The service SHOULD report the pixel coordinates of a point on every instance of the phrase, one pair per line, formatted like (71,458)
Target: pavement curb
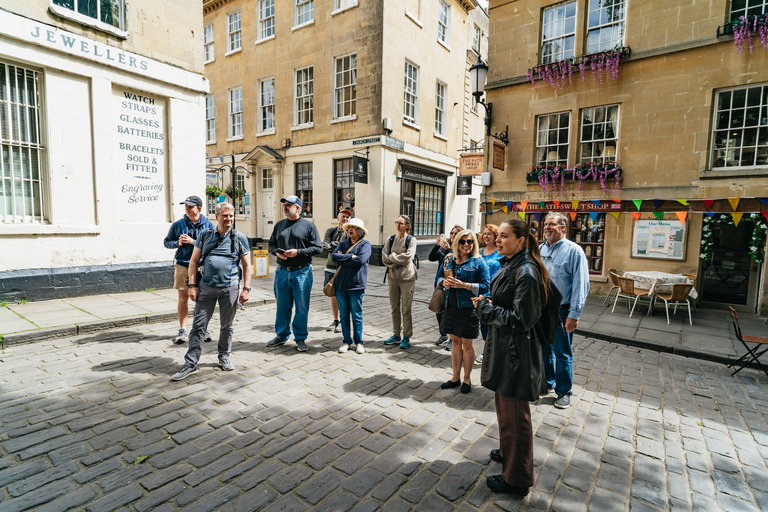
(66,331)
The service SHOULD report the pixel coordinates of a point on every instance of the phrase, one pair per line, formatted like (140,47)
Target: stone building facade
(100,119)
(684,120)
(303,95)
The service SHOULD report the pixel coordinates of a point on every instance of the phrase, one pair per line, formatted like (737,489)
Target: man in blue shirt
(221,249)
(569,271)
(181,237)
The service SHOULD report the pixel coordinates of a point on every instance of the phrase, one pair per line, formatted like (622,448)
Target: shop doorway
(731,277)
(266,202)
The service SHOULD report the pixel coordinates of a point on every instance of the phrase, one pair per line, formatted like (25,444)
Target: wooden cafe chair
(614,273)
(628,291)
(677,297)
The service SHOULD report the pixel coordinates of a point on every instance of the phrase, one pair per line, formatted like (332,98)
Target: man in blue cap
(294,241)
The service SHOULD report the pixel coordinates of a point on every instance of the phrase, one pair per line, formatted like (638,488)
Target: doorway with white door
(266,202)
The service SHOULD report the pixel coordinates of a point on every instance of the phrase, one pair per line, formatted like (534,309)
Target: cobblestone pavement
(94,423)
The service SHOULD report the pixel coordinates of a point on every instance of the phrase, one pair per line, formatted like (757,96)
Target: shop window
(210,119)
(22,180)
(267,106)
(589,233)
(424,204)
(233,32)
(304,97)
(599,133)
(605,24)
(558,33)
(740,127)
(411,94)
(266,18)
(109,12)
(343,185)
(304,187)
(235,112)
(536,224)
(552,134)
(748,8)
(345,86)
(305,11)
(208,44)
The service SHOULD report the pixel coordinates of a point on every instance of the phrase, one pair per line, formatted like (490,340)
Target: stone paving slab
(94,423)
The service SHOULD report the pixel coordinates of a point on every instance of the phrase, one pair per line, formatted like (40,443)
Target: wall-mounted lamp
(478,73)
(287,144)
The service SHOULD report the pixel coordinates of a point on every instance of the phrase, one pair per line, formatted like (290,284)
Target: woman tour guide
(351,257)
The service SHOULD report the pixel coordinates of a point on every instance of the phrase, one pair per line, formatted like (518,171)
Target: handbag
(437,302)
(329,290)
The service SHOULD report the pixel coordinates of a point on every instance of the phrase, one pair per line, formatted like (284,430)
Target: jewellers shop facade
(93,139)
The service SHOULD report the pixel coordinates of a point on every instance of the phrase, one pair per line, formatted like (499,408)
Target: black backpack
(407,243)
(549,321)
(233,239)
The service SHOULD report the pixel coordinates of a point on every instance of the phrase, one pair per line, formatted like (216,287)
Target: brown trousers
(401,293)
(516,440)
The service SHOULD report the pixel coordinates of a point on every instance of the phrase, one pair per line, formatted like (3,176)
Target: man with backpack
(221,250)
(399,256)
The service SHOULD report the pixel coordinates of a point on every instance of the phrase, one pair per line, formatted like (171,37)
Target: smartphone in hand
(279,251)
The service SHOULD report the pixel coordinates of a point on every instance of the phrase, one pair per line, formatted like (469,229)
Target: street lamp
(478,73)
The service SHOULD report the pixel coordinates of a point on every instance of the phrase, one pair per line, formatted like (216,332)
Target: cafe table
(655,281)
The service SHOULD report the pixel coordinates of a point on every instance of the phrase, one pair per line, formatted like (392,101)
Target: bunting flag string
(575,205)
(493,202)
(638,203)
(537,216)
(658,215)
(734,203)
(597,203)
(765,214)
(736,217)
(505,209)
(615,214)
(573,215)
(681,216)
(709,214)
(557,203)
(522,215)
(511,206)
(593,215)
(542,204)
(524,204)
(763,200)
(636,215)
(657,203)
(708,203)
(683,202)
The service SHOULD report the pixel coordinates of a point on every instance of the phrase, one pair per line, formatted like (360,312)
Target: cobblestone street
(95,423)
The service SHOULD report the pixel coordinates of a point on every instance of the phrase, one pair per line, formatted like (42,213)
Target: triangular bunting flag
(573,215)
(481,207)
(683,202)
(657,203)
(511,207)
(709,214)
(575,205)
(737,217)
(504,209)
(638,203)
(537,216)
(616,214)
(593,215)
(681,216)
(542,204)
(596,203)
(658,215)
(765,214)
(524,204)
(734,203)
(708,203)
(763,200)
(493,202)
(616,200)
(522,215)
(636,215)
(557,203)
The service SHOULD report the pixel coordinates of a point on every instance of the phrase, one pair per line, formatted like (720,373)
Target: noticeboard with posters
(659,240)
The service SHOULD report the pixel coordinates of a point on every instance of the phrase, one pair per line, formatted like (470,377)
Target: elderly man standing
(569,271)
(333,236)
(181,237)
(221,249)
(294,241)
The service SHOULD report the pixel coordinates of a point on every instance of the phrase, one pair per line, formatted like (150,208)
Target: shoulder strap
(206,236)
(407,241)
(391,242)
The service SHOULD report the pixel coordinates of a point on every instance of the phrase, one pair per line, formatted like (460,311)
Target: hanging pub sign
(499,155)
(464,185)
(360,169)
(471,164)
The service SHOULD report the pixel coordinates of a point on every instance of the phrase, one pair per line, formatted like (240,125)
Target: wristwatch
(246,289)
(192,285)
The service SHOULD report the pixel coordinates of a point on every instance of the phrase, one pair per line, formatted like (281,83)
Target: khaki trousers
(401,293)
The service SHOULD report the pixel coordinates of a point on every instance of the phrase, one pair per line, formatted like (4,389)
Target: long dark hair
(523,230)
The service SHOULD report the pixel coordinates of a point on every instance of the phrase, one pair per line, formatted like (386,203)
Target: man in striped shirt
(569,271)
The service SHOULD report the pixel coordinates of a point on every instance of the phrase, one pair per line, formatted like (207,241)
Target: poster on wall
(139,154)
(659,239)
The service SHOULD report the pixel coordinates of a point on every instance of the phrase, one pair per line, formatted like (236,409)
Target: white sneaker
(343,348)
(360,349)
(182,337)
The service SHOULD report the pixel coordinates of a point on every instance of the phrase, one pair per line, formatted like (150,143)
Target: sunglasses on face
(468,242)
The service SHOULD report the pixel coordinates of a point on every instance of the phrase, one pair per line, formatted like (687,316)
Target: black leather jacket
(512,364)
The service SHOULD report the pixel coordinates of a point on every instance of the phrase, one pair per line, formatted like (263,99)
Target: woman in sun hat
(352,257)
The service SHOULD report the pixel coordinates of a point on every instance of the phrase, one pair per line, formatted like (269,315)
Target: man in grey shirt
(221,249)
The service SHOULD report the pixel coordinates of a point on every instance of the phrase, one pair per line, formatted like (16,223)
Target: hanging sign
(471,164)
(360,169)
(464,185)
(499,155)
(583,206)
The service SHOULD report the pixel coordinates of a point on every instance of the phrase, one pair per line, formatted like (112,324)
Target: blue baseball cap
(294,200)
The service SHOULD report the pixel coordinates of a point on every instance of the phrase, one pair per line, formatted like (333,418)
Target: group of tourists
(524,298)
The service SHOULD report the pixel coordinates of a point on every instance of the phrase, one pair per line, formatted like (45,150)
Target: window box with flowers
(607,173)
(237,194)
(603,64)
(213,191)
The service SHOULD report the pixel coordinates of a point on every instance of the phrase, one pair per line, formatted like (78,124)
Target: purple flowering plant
(605,63)
(555,175)
(743,28)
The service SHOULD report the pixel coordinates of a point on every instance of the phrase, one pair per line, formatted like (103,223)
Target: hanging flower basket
(237,194)
(743,28)
(212,191)
(603,64)
(556,176)
(756,246)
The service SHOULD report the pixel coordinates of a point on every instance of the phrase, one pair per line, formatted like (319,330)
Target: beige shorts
(180,277)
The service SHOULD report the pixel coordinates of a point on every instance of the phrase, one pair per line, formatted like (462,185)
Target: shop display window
(589,233)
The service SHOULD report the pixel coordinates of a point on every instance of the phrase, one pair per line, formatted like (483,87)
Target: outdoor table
(655,281)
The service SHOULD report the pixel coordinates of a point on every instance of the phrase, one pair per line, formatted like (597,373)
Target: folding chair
(627,291)
(692,279)
(678,297)
(752,355)
(614,273)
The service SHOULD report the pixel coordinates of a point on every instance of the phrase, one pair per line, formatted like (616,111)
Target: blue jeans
(559,376)
(291,288)
(351,302)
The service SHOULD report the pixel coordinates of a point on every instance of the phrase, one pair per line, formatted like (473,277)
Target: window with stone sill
(444,22)
(605,24)
(558,32)
(748,8)
(599,133)
(740,128)
(552,135)
(304,96)
(234,26)
(411,94)
(440,108)
(476,35)
(210,119)
(305,11)
(236,112)
(345,86)
(343,4)
(110,12)
(208,49)
(22,177)
(266,105)
(266,18)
